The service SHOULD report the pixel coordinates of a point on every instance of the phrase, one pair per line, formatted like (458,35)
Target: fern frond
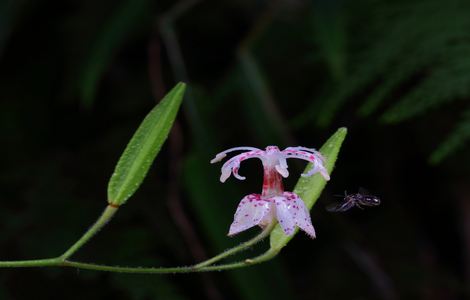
(416,58)
(457,139)
(401,51)
(448,82)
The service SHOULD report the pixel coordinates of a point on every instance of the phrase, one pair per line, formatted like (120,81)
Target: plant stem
(58,262)
(270,254)
(266,231)
(62,261)
(46,262)
(130,270)
(139,270)
(107,214)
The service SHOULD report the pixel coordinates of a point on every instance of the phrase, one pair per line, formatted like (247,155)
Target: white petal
(251,211)
(317,168)
(236,175)
(225,174)
(325,174)
(233,165)
(218,157)
(291,212)
(283,215)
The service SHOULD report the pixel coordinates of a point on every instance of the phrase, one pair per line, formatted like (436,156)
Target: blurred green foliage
(77,77)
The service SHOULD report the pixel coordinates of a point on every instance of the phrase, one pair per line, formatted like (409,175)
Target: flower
(273,203)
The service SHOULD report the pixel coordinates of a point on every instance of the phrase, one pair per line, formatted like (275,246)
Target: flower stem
(266,231)
(46,262)
(130,270)
(191,269)
(58,262)
(62,261)
(107,214)
(270,254)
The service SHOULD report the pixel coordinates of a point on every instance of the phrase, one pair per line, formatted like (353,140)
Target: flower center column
(272,183)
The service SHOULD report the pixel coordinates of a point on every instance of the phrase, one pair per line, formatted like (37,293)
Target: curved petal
(312,156)
(233,165)
(223,154)
(291,212)
(251,211)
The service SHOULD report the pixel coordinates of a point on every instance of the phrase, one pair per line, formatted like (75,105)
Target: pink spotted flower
(273,203)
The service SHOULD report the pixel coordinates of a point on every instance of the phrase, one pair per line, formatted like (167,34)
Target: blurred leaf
(425,95)
(310,188)
(459,136)
(144,146)
(9,11)
(124,20)
(258,102)
(408,59)
(330,35)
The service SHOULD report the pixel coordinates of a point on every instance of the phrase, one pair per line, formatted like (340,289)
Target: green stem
(130,270)
(266,231)
(47,262)
(62,261)
(268,255)
(191,269)
(58,262)
(107,214)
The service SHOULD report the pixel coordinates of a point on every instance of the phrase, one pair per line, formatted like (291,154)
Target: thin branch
(266,231)
(100,223)
(201,267)
(45,262)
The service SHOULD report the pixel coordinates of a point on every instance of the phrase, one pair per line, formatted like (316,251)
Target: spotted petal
(291,212)
(251,211)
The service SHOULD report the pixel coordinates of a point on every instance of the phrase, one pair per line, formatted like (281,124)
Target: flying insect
(359,199)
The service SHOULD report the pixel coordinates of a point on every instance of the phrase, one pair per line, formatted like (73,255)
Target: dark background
(77,77)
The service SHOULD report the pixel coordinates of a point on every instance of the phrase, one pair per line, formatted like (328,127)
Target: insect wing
(339,207)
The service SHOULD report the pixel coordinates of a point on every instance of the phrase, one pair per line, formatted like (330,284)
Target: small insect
(362,198)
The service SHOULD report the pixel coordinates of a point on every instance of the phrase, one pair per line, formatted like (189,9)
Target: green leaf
(144,146)
(310,188)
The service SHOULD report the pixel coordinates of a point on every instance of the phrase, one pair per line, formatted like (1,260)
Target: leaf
(258,101)
(456,139)
(310,188)
(330,35)
(10,12)
(124,21)
(144,146)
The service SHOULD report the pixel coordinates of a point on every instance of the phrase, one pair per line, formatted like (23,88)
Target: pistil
(272,183)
